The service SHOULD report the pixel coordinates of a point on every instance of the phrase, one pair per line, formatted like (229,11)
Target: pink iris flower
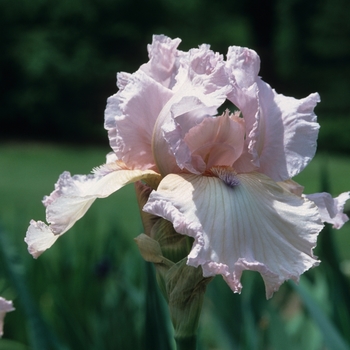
(223,178)
(5,306)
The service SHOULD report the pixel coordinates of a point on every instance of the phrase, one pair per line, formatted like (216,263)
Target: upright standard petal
(71,199)
(163,60)
(240,222)
(130,117)
(202,87)
(286,133)
(5,306)
(331,209)
(281,131)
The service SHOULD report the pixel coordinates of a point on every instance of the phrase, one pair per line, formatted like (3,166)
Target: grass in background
(96,269)
(94,291)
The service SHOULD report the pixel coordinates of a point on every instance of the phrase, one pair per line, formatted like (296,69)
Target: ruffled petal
(240,222)
(207,72)
(169,147)
(130,116)
(5,306)
(71,199)
(39,237)
(163,63)
(287,133)
(331,209)
(202,87)
(243,66)
(123,79)
(281,131)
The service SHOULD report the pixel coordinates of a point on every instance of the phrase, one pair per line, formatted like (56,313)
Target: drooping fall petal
(5,306)
(71,199)
(240,222)
(331,209)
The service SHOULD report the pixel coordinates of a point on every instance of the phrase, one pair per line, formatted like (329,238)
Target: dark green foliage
(59,58)
(157,330)
(39,333)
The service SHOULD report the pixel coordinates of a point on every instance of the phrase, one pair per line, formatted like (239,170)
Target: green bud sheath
(183,286)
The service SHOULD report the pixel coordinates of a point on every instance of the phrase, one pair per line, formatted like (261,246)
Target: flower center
(226,174)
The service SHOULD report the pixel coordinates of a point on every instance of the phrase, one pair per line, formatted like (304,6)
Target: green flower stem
(188,343)
(182,286)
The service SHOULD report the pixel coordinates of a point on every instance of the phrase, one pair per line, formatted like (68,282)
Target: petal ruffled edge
(73,196)
(286,133)
(248,224)
(331,209)
(130,116)
(202,87)
(281,131)
(163,60)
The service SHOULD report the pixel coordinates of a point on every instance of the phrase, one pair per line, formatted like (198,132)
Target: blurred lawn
(94,274)
(92,286)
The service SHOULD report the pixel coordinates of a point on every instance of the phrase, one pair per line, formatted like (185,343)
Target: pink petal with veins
(240,222)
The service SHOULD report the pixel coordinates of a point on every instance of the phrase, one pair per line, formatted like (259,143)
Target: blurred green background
(59,58)
(92,290)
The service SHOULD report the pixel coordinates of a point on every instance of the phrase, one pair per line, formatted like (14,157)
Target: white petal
(331,209)
(71,199)
(247,222)
(39,237)
(5,306)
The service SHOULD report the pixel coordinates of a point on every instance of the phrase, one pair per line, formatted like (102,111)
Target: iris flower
(5,306)
(222,177)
